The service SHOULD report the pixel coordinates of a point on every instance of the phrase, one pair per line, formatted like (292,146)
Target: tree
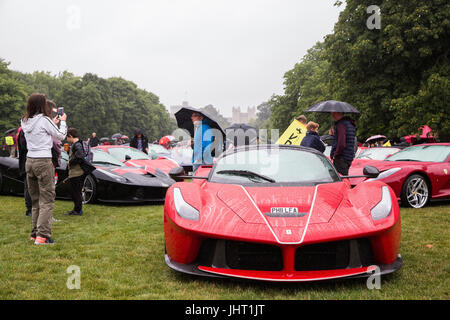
(13,99)
(388,73)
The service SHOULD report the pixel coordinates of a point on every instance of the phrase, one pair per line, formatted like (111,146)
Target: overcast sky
(221,52)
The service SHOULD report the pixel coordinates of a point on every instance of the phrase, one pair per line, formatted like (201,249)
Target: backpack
(88,155)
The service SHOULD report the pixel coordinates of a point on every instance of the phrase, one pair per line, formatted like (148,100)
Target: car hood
(163,164)
(286,211)
(134,176)
(286,206)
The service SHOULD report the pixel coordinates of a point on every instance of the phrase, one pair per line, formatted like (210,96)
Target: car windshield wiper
(403,160)
(246,173)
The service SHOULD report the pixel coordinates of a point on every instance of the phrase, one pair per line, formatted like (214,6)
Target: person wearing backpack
(79,168)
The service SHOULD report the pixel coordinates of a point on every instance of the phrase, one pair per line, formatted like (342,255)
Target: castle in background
(242,117)
(173,109)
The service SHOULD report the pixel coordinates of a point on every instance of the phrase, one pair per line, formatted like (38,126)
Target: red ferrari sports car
(416,174)
(280,213)
(134,158)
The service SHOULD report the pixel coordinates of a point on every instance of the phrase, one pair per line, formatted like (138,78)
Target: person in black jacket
(22,147)
(344,142)
(139,141)
(312,138)
(78,169)
(94,141)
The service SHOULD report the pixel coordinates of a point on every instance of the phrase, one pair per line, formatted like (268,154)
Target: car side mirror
(176,173)
(127,157)
(371,172)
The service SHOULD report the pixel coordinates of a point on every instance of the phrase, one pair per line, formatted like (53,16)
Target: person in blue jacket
(203,138)
(312,138)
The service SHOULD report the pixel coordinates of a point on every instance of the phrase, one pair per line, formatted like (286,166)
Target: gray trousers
(41,187)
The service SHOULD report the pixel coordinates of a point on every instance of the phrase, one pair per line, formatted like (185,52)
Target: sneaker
(74,213)
(42,240)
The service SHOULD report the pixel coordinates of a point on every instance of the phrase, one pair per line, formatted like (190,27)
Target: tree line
(92,103)
(397,76)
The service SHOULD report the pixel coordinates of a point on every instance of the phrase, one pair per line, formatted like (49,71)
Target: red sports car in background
(134,158)
(279,213)
(416,174)
(376,153)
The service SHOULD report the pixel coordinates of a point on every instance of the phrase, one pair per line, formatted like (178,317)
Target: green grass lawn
(120,252)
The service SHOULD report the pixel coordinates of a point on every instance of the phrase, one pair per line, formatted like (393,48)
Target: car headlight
(184,209)
(384,207)
(385,174)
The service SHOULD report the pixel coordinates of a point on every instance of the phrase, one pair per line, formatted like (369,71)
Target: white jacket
(39,131)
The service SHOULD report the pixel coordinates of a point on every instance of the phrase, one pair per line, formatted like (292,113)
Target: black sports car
(112,181)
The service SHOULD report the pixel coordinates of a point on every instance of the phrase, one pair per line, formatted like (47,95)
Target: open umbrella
(183,117)
(124,137)
(375,138)
(10,131)
(116,136)
(241,132)
(104,139)
(332,106)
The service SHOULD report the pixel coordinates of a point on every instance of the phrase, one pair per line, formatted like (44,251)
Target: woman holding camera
(39,128)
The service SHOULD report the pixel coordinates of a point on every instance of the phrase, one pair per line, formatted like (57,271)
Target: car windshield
(426,153)
(102,158)
(158,150)
(273,164)
(376,153)
(120,153)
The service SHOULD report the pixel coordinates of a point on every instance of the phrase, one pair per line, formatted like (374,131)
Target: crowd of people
(38,142)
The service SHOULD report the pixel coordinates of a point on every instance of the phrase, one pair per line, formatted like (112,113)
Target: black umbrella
(247,133)
(184,121)
(332,106)
(10,131)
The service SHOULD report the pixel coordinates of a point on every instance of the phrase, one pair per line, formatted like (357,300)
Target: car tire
(89,190)
(416,191)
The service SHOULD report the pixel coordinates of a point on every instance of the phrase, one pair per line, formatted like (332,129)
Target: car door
(61,177)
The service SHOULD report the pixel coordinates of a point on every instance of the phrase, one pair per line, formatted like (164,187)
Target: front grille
(253,256)
(240,255)
(334,255)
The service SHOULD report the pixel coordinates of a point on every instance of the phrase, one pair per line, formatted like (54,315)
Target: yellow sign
(294,134)
(9,141)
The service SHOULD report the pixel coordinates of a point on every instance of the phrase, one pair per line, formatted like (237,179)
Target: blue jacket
(312,140)
(203,138)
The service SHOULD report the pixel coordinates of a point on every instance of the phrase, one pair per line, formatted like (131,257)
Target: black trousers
(76,187)
(342,165)
(26,195)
